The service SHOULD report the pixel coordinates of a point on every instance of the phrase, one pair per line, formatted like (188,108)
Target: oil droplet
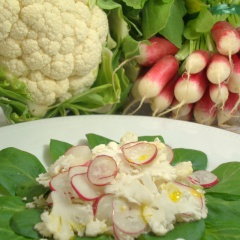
(174,193)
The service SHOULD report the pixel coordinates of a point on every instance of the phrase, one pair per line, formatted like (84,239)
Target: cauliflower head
(53,46)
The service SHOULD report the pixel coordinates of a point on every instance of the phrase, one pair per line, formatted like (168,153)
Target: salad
(48,196)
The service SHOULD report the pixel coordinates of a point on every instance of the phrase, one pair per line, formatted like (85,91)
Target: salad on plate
(135,188)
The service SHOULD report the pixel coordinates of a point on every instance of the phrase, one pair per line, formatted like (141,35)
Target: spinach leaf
(95,139)
(9,205)
(219,230)
(222,210)
(187,231)
(58,148)
(23,222)
(199,159)
(228,186)
(18,167)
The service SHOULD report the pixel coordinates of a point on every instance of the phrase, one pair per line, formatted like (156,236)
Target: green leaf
(23,222)
(18,167)
(222,210)
(198,158)
(102,237)
(165,17)
(173,30)
(219,230)
(130,47)
(9,205)
(136,4)
(95,140)
(58,148)
(187,231)
(229,178)
(150,138)
(30,189)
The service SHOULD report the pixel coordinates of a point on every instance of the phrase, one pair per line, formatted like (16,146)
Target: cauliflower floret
(65,219)
(183,169)
(95,227)
(61,41)
(128,137)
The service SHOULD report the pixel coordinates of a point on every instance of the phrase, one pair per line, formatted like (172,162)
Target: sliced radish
(140,153)
(102,170)
(103,207)
(81,152)
(193,179)
(120,235)
(129,144)
(79,169)
(169,153)
(85,189)
(128,217)
(206,179)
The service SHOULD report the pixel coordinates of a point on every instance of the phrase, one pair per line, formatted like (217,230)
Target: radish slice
(193,179)
(61,183)
(102,208)
(102,170)
(81,152)
(130,144)
(169,153)
(128,217)
(206,179)
(120,235)
(79,169)
(140,153)
(84,189)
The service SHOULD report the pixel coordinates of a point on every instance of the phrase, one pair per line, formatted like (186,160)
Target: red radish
(189,89)
(184,110)
(197,61)
(102,170)
(61,183)
(234,80)
(79,169)
(85,189)
(206,179)
(157,77)
(81,152)
(205,110)
(103,207)
(164,99)
(226,38)
(140,153)
(229,110)
(219,93)
(158,47)
(218,69)
(127,217)
(188,117)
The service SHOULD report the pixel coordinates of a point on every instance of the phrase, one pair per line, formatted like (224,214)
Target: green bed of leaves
(19,169)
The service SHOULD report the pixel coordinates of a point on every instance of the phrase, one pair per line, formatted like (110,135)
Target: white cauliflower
(53,46)
(65,218)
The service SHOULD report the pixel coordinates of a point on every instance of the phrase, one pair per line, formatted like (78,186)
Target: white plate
(34,137)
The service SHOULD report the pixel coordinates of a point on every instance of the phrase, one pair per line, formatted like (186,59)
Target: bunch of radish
(85,183)
(205,87)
